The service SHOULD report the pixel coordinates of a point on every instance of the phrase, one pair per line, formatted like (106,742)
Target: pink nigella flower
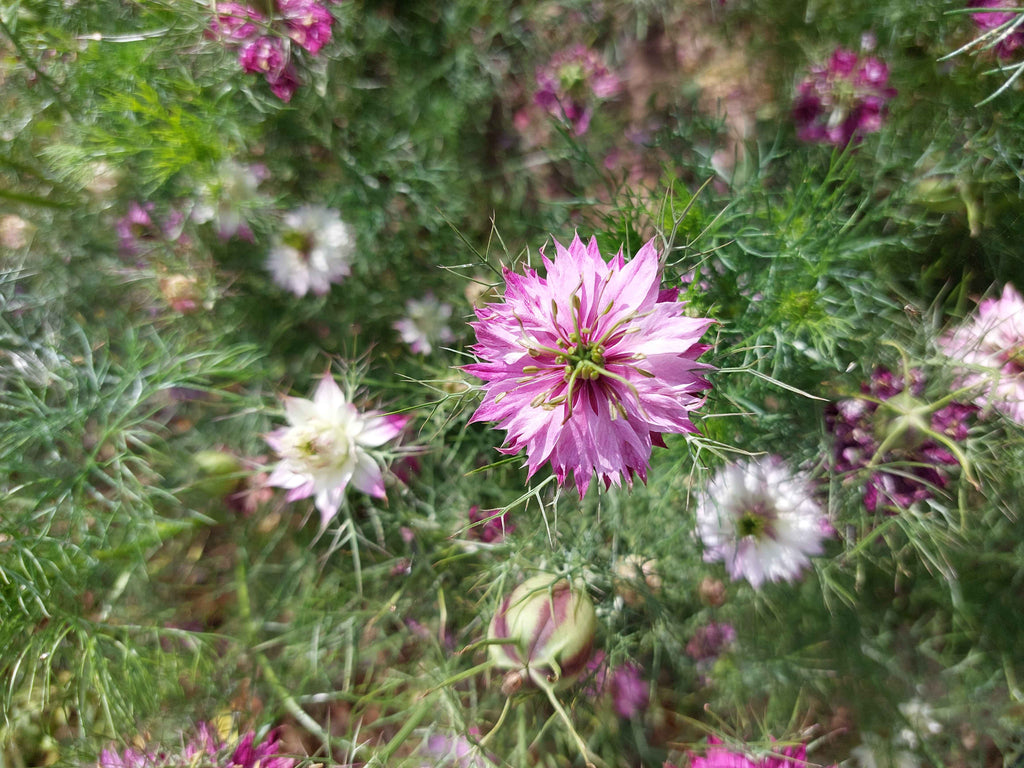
(235,23)
(488,525)
(206,749)
(569,84)
(624,684)
(329,444)
(911,442)
(590,365)
(992,343)
(719,757)
(844,99)
(139,229)
(308,22)
(266,55)
(994,14)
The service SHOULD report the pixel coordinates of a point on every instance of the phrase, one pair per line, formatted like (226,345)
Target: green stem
(541,682)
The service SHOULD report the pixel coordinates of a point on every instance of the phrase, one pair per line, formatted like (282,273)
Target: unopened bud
(549,625)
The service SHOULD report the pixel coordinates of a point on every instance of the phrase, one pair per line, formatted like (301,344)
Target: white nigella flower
(761,519)
(314,250)
(327,446)
(425,324)
(227,198)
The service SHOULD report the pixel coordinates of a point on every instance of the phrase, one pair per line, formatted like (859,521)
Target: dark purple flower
(309,23)
(487,525)
(710,640)
(907,441)
(842,100)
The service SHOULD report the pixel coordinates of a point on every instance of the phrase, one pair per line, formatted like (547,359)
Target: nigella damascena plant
(543,633)
(329,444)
(762,520)
(589,366)
(312,250)
(425,324)
(571,82)
(206,748)
(906,443)
(989,350)
(843,99)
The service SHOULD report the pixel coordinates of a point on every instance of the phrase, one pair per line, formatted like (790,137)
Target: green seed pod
(549,624)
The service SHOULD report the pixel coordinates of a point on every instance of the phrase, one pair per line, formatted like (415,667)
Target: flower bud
(550,626)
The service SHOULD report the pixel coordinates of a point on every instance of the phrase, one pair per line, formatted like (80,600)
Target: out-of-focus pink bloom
(313,251)
(623,684)
(888,426)
(588,367)
(308,22)
(994,14)
(842,100)
(487,525)
(453,751)
(207,749)
(710,640)
(571,82)
(266,55)
(140,229)
(992,345)
(718,757)
(235,23)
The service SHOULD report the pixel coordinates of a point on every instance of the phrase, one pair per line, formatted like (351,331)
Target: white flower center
(319,445)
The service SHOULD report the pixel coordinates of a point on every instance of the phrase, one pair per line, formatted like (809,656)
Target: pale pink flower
(589,366)
(425,324)
(329,444)
(571,83)
(992,345)
(762,520)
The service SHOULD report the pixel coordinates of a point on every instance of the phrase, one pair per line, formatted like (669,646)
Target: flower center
(755,521)
(300,241)
(318,445)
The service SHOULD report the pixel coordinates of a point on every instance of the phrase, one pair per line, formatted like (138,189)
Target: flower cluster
(570,83)
(843,99)
(206,749)
(314,249)
(305,22)
(327,446)
(993,15)
(992,344)
(590,365)
(906,441)
(762,520)
(425,324)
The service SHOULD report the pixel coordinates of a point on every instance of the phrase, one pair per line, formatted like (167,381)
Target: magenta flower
(140,229)
(590,365)
(719,757)
(623,684)
(206,749)
(571,82)
(308,22)
(842,100)
(994,14)
(266,55)
(235,23)
(908,442)
(992,344)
